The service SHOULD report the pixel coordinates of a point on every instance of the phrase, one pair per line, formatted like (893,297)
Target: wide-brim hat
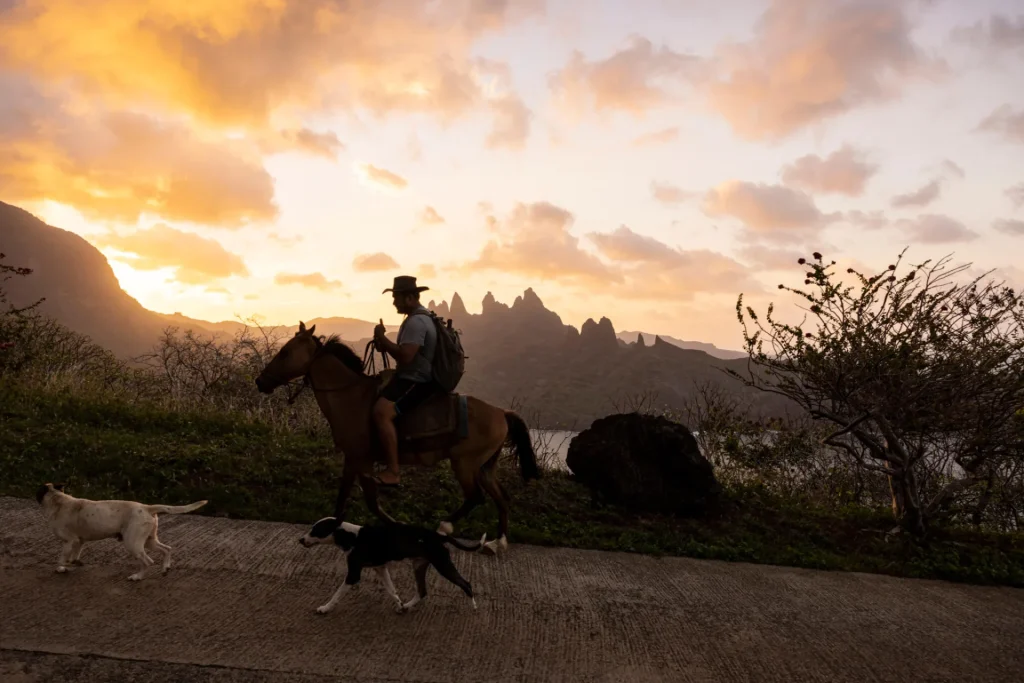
(405,283)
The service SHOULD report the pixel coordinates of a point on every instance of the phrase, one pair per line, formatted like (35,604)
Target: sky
(647,160)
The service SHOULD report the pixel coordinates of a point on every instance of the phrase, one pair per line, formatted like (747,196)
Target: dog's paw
(62,570)
(323,609)
(135,577)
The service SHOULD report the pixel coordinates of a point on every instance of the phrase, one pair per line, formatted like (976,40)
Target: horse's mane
(340,350)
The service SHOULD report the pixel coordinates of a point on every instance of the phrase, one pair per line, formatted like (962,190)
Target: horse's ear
(312,329)
(302,326)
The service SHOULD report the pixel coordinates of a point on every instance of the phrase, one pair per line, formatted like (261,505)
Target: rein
(307,379)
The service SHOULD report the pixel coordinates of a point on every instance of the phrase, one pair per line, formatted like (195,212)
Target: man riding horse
(413,380)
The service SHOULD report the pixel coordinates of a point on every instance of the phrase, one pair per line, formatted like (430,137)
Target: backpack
(449,363)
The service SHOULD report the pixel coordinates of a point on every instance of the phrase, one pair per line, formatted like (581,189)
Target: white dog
(78,520)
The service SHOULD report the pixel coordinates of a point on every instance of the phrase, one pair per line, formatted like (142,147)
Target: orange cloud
(244,62)
(635,79)
(937,229)
(844,171)
(654,270)
(383,177)
(659,137)
(311,280)
(1005,121)
(1010,227)
(371,263)
(669,194)
(427,270)
(285,240)
(770,211)
(1016,195)
(430,216)
(326,145)
(920,197)
(534,241)
(810,61)
(195,259)
(120,165)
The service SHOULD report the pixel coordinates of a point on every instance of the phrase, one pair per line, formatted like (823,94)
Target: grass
(105,448)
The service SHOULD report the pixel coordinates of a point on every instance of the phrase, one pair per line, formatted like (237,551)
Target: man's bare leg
(384,417)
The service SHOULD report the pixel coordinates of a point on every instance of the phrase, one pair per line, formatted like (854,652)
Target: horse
(346,394)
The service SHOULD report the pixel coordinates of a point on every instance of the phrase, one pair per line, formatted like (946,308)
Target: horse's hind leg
(472,496)
(493,487)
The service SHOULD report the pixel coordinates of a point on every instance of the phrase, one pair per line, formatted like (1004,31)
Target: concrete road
(239,606)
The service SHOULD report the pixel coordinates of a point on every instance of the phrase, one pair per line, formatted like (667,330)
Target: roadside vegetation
(185,423)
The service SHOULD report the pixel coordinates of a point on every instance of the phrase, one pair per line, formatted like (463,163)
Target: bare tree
(922,378)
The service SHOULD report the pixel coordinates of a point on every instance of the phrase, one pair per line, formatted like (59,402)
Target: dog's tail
(469,547)
(175,509)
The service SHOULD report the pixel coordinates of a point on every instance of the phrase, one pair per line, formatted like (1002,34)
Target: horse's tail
(522,448)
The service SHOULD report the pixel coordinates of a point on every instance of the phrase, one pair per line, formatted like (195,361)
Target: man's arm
(415,337)
(402,354)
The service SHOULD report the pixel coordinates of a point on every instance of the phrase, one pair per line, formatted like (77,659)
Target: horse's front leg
(348,477)
(369,487)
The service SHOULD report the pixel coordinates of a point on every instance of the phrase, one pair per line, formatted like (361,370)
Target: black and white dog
(379,546)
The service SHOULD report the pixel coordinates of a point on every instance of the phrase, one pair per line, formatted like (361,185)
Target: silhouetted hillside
(628,337)
(521,351)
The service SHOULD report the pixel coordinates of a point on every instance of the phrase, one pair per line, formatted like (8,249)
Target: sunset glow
(645,161)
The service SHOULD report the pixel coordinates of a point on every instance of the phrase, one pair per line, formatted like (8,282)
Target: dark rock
(640,339)
(458,308)
(645,463)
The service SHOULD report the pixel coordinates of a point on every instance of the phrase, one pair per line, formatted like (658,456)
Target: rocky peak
(640,339)
(458,308)
(599,334)
(490,305)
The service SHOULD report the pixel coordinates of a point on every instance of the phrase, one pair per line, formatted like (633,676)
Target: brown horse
(346,396)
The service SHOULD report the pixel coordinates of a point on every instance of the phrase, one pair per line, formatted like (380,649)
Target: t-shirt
(418,329)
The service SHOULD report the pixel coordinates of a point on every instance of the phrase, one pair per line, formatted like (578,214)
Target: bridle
(307,379)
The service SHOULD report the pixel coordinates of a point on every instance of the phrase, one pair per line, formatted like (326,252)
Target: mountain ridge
(520,352)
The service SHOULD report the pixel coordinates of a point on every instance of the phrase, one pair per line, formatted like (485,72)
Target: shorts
(406,394)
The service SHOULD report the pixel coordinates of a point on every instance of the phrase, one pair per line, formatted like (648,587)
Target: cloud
(811,61)
(511,125)
(868,220)
(326,144)
(245,62)
(773,212)
(121,165)
(1005,121)
(1016,195)
(383,176)
(371,263)
(658,137)
(770,258)
(430,216)
(655,270)
(633,80)
(1010,227)
(427,270)
(1001,33)
(534,241)
(952,168)
(311,280)
(920,197)
(195,259)
(285,240)
(937,229)
(844,171)
(670,194)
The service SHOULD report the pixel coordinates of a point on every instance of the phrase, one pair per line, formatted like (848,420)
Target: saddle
(437,423)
